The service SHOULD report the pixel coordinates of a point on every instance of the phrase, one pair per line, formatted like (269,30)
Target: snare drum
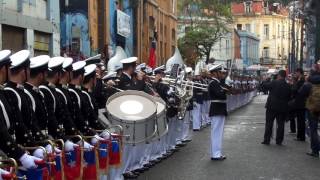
(161,123)
(135,111)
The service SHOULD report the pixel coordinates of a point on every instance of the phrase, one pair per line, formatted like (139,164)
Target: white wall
(11,5)
(38,8)
(220,51)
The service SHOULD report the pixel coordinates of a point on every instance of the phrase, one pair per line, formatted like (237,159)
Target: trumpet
(174,82)
(13,165)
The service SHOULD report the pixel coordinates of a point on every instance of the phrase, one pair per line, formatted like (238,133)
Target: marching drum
(136,112)
(161,122)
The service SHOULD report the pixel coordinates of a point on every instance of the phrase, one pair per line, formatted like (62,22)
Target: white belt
(218,101)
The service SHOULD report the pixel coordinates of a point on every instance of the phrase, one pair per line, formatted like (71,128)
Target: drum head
(131,106)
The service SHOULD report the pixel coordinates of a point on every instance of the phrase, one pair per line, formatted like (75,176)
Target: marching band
(51,109)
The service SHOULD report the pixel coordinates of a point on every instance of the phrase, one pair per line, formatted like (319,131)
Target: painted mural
(75,40)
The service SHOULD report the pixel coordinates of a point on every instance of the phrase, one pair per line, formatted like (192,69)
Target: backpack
(313,101)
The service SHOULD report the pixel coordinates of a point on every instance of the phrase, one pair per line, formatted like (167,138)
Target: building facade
(249,47)
(156,20)
(30,24)
(272,25)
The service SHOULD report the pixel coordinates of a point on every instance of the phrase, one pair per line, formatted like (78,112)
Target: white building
(30,24)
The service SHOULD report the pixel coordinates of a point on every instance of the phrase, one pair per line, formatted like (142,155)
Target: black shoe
(137,173)
(187,140)
(279,143)
(196,130)
(148,166)
(313,154)
(265,143)
(181,145)
(221,158)
(292,132)
(129,175)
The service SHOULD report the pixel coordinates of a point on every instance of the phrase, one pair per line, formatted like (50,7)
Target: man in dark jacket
(298,106)
(277,107)
(313,117)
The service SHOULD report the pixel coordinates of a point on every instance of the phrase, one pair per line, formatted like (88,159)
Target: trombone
(173,82)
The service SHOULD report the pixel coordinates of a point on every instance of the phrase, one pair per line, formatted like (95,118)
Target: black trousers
(280,117)
(292,120)
(301,124)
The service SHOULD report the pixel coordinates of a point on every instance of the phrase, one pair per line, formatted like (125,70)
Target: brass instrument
(13,165)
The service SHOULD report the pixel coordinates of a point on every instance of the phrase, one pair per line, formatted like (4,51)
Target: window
(239,27)
(282,31)
(265,52)
(266,31)
(227,46)
(248,27)
(279,31)
(248,7)
(173,35)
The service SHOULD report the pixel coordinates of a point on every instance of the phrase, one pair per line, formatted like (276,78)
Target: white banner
(123,24)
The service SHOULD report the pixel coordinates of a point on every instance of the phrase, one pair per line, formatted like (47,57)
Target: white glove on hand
(27,161)
(105,135)
(49,149)
(69,146)
(39,153)
(87,146)
(96,139)
(57,150)
(3,173)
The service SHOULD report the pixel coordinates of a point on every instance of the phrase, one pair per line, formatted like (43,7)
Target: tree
(206,21)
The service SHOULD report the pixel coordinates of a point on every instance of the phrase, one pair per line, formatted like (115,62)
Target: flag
(152,56)
(90,169)
(72,164)
(115,153)
(40,173)
(104,156)
(56,170)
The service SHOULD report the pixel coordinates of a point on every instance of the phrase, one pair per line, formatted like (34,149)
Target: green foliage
(207,25)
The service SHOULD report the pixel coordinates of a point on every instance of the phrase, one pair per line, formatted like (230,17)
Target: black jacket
(65,119)
(217,94)
(297,103)
(8,145)
(280,94)
(198,94)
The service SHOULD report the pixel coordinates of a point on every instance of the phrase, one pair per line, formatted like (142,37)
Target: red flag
(90,169)
(115,153)
(104,156)
(152,57)
(72,164)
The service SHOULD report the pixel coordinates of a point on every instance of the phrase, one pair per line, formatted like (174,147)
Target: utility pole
(302,35)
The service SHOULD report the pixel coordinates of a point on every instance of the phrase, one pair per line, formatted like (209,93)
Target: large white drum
(136,112)
(161,122)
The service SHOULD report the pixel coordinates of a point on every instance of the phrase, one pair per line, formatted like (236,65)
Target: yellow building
(159,15)
(272,25)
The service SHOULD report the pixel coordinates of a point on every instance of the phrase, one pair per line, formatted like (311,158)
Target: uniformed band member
(198,101)
(8,143)
(218,111)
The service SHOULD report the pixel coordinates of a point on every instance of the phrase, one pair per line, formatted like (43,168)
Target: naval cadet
(198,101)
(8,142)
(218,111)
(27,131)
(125,80)
(90,108)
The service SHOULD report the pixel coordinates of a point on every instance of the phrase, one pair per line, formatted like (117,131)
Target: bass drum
(161,121)
(135,111)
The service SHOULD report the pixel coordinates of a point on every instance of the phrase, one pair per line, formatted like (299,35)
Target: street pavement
(247,159)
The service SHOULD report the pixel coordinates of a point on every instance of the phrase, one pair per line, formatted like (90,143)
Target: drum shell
(134,131)
(161,121)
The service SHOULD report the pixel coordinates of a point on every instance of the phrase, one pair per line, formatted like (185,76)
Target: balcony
(272,61)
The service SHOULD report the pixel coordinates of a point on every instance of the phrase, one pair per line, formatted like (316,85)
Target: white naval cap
(55,63)
(67,63)
(215,67)
(4,57)
(110,75)
(129,60)
(93,60)
(39,61)
(90,69)
(20,59)
(77,66)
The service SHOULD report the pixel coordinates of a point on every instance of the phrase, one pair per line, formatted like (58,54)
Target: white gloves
(69,146)
(39,153)
(3,173)
(96,139)
(170,91)
(57,150)
(28,161)
(87,146)
(49,149)
(105,135)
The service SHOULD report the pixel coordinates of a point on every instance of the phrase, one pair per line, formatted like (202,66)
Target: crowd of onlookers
(295,99)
